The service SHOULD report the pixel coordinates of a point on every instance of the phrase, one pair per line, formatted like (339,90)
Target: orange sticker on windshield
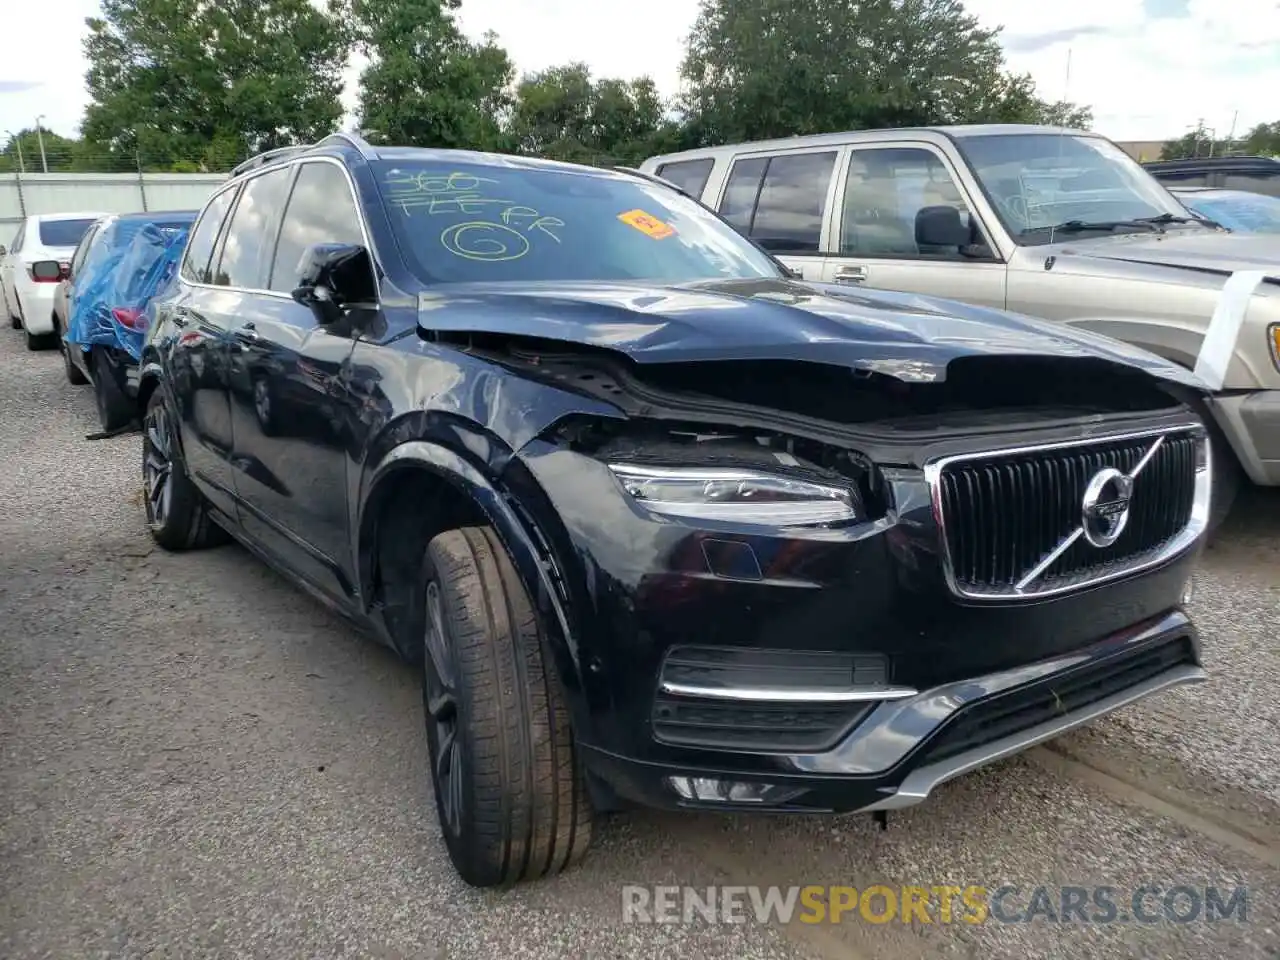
(647,224)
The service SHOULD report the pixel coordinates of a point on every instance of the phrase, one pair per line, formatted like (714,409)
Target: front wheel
(510,795)
(177,514)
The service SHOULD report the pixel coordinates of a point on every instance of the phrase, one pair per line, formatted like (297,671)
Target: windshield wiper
(1081,226)
(1175,218)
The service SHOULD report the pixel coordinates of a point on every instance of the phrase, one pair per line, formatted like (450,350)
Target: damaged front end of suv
(822,551)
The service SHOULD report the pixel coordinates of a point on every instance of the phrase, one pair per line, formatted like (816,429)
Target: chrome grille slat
(1002,512)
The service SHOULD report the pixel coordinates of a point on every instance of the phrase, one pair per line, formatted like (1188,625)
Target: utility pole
(44,163)
(1231,137)
(17,146)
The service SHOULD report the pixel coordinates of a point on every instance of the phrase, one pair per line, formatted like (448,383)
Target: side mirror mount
(46,271)
(332,277)
(940,226)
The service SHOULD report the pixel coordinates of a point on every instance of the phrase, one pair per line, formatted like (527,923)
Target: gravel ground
(196,760)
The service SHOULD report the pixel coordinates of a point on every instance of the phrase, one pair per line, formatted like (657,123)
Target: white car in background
(31,268)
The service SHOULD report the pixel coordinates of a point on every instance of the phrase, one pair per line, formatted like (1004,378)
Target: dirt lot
(198,761)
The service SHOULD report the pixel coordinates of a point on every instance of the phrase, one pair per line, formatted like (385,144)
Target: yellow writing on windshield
(502,228)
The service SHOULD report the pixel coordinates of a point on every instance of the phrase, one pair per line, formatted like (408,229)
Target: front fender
(526,545)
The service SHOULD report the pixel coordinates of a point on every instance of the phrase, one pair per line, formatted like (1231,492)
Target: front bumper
(902,750)
(1251,422)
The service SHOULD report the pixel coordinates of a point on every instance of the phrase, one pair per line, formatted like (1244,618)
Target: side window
(793,199)
(82,249)
(689,175)
(884,195)
(779,202)
(739,200)
(195,265)
(321,210)
(246,251)
(1253,182)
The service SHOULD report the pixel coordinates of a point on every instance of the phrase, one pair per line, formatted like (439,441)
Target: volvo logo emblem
(1104,512)
(1105,509)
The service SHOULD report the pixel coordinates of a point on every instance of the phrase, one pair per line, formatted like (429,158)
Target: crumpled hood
(907,336)
(1199,250)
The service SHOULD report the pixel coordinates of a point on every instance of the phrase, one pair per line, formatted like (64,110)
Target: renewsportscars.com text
(939,903)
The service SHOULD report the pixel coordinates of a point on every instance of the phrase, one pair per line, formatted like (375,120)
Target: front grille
(1003,513)
(989,720)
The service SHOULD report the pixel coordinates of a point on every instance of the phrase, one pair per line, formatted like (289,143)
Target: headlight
(742,496)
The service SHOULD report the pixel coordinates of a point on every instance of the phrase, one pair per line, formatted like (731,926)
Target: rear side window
(246,252)
(321,210)
(63,233)
(689,175)
(195,266)
(77,259)
(790,199)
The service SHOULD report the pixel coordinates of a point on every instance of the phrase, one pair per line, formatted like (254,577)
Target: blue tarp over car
(129,263)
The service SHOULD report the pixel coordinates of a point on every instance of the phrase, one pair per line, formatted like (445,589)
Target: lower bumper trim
(923,780)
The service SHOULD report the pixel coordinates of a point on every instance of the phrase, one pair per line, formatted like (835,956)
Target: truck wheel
(510,794)
(177,515)
(115,409)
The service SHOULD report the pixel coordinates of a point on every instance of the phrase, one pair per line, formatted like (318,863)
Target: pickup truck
(1055,223)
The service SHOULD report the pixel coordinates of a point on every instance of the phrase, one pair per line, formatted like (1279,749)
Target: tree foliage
(210,83)
(563,114)
(201,84)
(771,68)
(22,153)
(1263,140)
(428,85)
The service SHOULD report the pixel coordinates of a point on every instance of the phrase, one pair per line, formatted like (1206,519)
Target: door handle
(857,274)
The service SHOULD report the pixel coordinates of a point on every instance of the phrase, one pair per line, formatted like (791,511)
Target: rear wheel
(115,409)
(177,515)
(75,376)
(510,795)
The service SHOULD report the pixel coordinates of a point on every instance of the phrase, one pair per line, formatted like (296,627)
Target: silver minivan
(1055,223)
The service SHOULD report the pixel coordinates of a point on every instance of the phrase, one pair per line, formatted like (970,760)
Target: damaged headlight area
(735,495)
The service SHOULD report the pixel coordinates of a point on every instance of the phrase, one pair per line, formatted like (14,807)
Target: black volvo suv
(660,522)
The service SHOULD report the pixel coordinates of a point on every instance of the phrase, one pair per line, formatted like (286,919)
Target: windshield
(1038,181)
(460,222)
(63,233)
(1246,212)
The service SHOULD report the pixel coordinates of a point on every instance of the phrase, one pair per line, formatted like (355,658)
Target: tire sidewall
(460,844)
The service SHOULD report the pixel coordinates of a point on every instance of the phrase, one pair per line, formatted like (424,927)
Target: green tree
(189,82)
(563,114)
(1063,113)
(1264,140)
(1199,142)
(768,68)
(428,85)
(22,152)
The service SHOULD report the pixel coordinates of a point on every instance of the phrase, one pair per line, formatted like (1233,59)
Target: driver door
(880,191)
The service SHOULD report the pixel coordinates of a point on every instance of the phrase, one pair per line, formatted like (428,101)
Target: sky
(1151,69)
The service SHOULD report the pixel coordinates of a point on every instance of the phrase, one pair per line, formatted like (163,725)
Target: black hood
(906,336)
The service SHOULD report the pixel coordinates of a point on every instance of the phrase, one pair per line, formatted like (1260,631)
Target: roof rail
(352,139)
(269,156)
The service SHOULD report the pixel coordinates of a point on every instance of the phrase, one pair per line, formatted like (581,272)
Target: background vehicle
(100,307)
(1237,210)
(31,268)
(661,523)
(1054,223)
(1254,174)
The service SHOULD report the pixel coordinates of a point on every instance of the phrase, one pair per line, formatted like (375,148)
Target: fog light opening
(711,790)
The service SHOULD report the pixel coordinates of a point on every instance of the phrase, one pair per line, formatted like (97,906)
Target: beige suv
(1060,224)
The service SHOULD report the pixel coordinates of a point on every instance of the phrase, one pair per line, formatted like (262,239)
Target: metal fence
(24,194)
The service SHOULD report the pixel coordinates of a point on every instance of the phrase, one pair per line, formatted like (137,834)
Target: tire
(265,405)
(75,376)
(510,796)
(115,409)
(177,514)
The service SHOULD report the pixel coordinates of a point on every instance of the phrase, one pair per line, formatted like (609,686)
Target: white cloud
(1145,78)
